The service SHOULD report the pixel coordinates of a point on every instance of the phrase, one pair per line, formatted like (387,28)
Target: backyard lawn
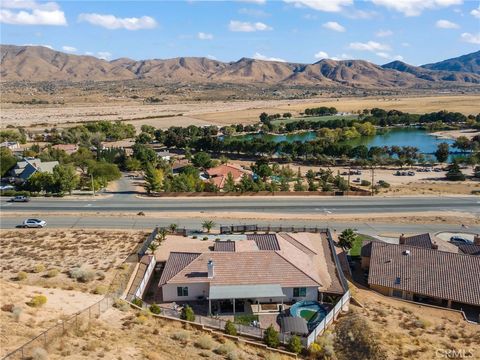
(357,244)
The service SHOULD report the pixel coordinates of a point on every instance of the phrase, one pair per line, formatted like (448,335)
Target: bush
(100,290)
(383,184)
(187,313)
(230,328)
(52,273)
(204,342)
(141,319)
(271,337)
(22,275)
(365,183)
(38,268)
(155,309)
(121,305)
(205,238)
(82,275)
(314,349)
(17,313)
(7,307)
(138,302)
(295,344)
(226,348)
(38,301)
(180,336)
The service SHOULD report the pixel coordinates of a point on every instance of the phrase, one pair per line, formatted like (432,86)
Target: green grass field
(315,118)
(357,245)
(307,314)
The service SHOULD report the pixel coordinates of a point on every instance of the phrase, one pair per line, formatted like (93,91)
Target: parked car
(20,198)
(34,223)
(459,240)
(411,173)
(7,187)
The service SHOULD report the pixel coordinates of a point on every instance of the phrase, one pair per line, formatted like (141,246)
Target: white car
(34,223)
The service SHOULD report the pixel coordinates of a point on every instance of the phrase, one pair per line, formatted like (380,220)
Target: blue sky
(415,31)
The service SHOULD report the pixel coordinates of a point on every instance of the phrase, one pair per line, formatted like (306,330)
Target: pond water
(426,143)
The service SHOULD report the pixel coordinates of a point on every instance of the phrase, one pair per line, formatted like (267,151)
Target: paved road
(285,205)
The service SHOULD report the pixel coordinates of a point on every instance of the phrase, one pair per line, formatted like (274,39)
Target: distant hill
(37,63)
(465,63)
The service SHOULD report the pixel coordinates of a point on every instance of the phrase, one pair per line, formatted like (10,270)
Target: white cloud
(204,36)
(31,13)
(211,57)
(446,24)
(359,14)
(471,38)
(69,48)
(384,33)
(369,46)
(321,55)
(112,22)
(253,12)
(387,56)
(241,26)
(333,25)
(259,56)
(321,5)
(476,13)
(47,46)
(104,55)
(415,7)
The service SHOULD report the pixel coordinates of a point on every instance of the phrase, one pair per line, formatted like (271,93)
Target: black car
(459,240)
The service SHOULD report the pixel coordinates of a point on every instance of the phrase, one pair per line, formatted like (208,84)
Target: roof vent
(406,252)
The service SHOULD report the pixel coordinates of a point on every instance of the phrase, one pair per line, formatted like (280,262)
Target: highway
(274,205)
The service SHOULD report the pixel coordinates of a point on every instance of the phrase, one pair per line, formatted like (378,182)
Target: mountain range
(37,63)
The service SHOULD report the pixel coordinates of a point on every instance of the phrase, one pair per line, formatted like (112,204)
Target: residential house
(12,145)
(68,148)
(29,166)
(218,175)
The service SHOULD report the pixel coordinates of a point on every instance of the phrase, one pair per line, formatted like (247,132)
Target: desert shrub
(232,356)
(365,183)
(39,354)
(383,184)
(22,275)
(8,307)
(230,328)
(38,268)
(155,309)
(137,302)
(422,324)
(295,344)
(100,290)
(17,313)
(271,337)
(314,349)
(180,336)
(205,238)
(204,342)
(226,348)
(355,339)
(187,313)
(37,301)
(121,305)
(52,273)
(82,275)
(141,319)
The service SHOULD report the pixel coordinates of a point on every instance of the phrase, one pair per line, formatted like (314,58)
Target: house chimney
(406,252)
(402,239)
(434,246)
(211,269)
(476,239)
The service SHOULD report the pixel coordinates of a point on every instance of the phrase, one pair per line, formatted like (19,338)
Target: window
(182,291)
(299,292)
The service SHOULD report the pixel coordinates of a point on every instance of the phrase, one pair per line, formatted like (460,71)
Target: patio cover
(294,325)
(218,292)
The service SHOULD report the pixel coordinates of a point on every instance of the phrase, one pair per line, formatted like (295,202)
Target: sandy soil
(40,251)
(219,113)
(453,134)
(32,321)
(414,331)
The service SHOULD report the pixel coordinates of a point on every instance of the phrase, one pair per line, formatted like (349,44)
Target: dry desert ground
(217,112)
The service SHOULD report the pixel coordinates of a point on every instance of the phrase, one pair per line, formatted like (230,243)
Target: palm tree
(208,225)
(162,234)
(346,239)
(153,247)
(173,227)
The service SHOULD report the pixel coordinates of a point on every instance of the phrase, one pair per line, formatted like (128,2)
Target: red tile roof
(427,272)
(175,263)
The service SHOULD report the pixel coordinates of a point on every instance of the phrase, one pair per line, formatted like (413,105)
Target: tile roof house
(29,166)
(68,148)
(423,274)
(260,267)
(218,175)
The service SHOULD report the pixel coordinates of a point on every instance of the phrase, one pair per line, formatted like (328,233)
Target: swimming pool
(312,311)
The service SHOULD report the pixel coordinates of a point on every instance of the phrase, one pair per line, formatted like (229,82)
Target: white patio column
(209,306)
(233,306)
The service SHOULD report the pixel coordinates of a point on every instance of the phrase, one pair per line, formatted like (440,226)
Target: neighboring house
(423,274)
(164,155)
(12,145)
(268,268)
(179,165)
(218,175)
(29,166)
(68,148)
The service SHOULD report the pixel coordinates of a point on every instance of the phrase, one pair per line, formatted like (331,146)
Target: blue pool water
(312,311)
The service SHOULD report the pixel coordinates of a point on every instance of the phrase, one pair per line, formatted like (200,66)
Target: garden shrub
(155,309)
(226,348)
(138,302)
(38,301)
(271,337)
(295,344)
(187,313)
(230,328)
(204,342)
(365,183)
(121,305)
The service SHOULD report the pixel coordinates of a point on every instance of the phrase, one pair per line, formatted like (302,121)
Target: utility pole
(349,170)
(373,178)
(93,186)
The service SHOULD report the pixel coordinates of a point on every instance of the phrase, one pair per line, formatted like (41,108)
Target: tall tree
(442,152)
(454,173)
(346,239)
(65,178)
(153,178)
(7,161)
(229,185)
